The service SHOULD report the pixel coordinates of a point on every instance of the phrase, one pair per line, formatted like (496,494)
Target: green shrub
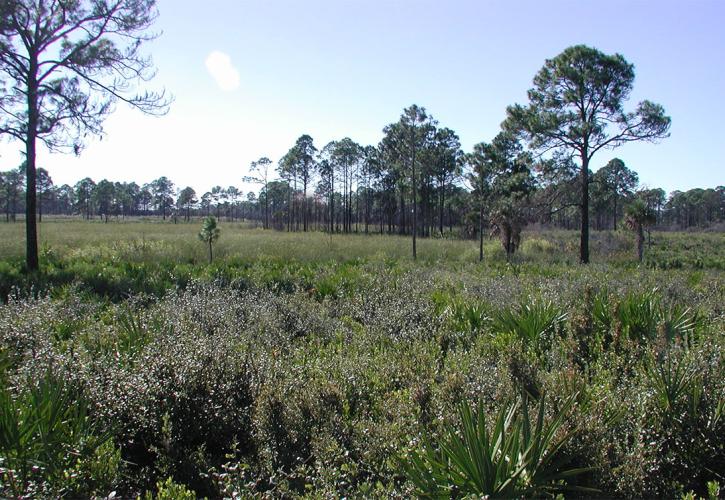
(530,321)
(42,431)
(511,459)
(686,418)
(169,490)
(638,314)
(304,377)
(132,334)
(675,383)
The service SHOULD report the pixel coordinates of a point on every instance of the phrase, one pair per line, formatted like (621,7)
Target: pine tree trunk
(584,242)
(441,208)
(415,207)
(31,231)
(401,218)
(480,234)
(266,206)
(304,204)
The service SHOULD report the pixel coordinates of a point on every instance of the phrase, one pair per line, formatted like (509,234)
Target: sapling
(209,234)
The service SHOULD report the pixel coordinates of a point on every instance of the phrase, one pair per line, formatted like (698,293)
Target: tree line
(65,65)
(350,188)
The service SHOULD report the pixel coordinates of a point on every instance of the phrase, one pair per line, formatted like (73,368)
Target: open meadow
(309,365)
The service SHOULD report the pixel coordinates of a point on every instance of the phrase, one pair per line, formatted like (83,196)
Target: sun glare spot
(221,69)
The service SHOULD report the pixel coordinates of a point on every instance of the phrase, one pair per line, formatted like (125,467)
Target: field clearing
(153,240)
(156,239)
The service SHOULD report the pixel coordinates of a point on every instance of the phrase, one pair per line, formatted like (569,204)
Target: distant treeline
(347,188)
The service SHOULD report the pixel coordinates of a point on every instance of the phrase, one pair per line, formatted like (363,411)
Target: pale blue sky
(347,68)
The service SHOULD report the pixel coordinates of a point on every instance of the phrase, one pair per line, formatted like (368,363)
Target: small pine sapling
(209,234)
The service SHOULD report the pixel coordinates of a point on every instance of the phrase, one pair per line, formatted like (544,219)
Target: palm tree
(637,216)
(209,233)
(508,220)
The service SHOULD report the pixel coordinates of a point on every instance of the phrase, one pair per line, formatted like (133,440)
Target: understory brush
(364,379)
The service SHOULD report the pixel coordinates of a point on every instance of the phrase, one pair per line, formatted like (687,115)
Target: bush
(42,431)
(511,459)
(249,377)
(531,321)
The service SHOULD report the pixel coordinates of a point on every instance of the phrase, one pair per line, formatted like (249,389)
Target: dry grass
(149,239)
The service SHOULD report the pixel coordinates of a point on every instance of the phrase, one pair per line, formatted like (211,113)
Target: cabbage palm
(637,216)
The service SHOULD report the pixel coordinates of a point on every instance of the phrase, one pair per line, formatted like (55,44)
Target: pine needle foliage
(209,234)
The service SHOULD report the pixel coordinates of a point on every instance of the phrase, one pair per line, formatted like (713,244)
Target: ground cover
(298,365)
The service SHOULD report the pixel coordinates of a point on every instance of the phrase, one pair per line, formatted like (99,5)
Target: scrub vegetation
(300,365)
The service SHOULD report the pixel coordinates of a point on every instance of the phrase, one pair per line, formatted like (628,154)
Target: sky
(249,77)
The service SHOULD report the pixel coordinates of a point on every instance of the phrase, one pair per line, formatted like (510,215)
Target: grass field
(299,365)
(178,241)
(137,240)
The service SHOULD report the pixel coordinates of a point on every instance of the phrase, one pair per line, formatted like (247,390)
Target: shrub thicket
(290,378)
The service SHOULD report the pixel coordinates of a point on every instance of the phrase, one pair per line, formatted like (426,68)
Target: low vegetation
(131,365)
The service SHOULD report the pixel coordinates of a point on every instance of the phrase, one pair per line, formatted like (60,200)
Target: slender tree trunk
(289,207)
(344,198)
(348,215)
(332,203)
(615,211)
(31,231)
(296,213)
(584,242)
(640,242)
(389,216)
(266,205)
(415,205)
(441,207)
(401,218)
(382,222)
(367,209)
(480,233)
(304,204)
(357,210)
(211,254)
